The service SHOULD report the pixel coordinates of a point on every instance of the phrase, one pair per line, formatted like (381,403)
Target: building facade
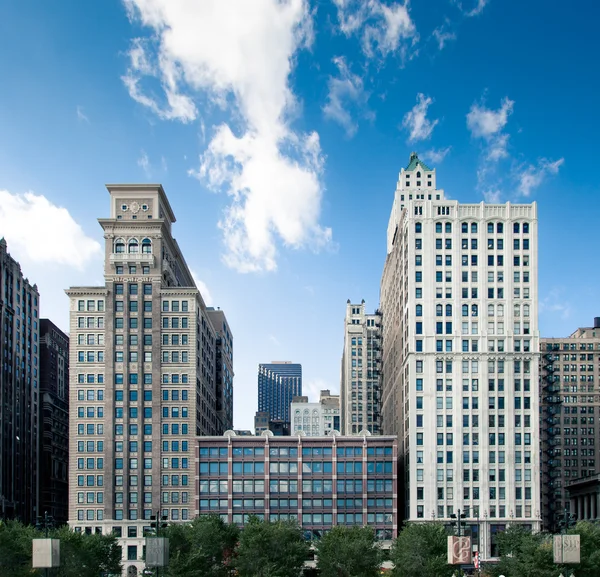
(278,383)
(54,422)
(19,392)
(360,386)
(224,365)
(569,375)
(316,419)
(142,377)
(460,358)
(318,482)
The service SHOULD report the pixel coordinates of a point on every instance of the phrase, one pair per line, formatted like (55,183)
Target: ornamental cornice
(82,291)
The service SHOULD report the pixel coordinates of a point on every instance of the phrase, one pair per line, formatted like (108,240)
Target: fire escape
(377,361)
(552,484)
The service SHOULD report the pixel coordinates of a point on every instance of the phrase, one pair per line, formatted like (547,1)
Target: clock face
(134,207)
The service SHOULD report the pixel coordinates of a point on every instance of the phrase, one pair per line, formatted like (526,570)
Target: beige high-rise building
(142,378)
(460,357)
(360,397)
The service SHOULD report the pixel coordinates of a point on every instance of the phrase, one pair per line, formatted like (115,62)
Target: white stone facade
(360,372)
(459,299)
(315,419)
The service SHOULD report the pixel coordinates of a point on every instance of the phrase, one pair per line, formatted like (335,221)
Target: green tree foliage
(80,555)
(590,549)
(202,548)
(524,553)
(349,552)
(270,550)
(421,549)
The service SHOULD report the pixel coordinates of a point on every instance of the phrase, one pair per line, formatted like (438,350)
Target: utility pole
(567,521)
(457,521)
(45,523)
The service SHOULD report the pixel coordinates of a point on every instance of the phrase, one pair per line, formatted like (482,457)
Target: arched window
(448,227)
(465,310)
(473,227)
(526,311)
(500,312)
(418,227)
(525,228)
(146,246)
(474,310)
(439,311)
(517,311)
(448,310)
(464,227)
(119,245)
(516,228)
(418,174)
(490,227)
(419,312)
(133,246)
(490,310)
(438,227)
(499,228)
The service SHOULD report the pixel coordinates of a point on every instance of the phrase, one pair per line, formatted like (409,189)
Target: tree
(422,549)
(270,549)
(349,552)
(202,548)
(524,553)
(16,549)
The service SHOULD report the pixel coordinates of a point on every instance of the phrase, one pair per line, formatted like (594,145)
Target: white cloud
(144,163)
(442,35)
(240,53)
(345,90)
(532,176)
(41,232)
(81,116)
(273,339)
(416,122)
(488,124)
(203,288)
(383,29)
(435,156)
(555,303)
(492,196)
(476,9)
(484,122)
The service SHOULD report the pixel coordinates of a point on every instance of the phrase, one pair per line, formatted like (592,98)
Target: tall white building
(316,419)
(459,300)
(361,370)
(142,377)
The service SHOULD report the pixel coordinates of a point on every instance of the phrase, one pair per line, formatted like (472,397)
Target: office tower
(361,371)
(224,366)
(278,383)
(54,422)
(316,419)
(19,391)
(460,361)
(317,482)
(142,376)
(569,377)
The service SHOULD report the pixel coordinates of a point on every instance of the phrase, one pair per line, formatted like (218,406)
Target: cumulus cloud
(492,196)
(383,29)
(239,53)
(488,124)
(41,232)
(435,156)
(203,288)
(532,176)
(346,91)
(416,121)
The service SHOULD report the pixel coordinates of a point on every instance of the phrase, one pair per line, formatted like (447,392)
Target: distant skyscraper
(460,356)
(278,383)
(19,392)
(569,377)
(54,422)
(361,369)
(224,375)
(143,366)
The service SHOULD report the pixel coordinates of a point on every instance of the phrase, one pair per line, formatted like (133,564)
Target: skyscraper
(224,366)
(19,392)
(460,360)
(142,378)
(360,374)
(278,383)
(569,376)
(54,422)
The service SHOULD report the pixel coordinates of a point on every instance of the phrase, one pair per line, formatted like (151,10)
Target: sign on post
(157,551)
(46,553)
(566,549)
(459,550)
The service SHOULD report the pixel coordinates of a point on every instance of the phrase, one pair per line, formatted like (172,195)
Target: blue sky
(278,129)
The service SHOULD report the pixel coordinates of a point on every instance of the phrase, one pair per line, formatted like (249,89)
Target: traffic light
(457,521)
(158,522)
